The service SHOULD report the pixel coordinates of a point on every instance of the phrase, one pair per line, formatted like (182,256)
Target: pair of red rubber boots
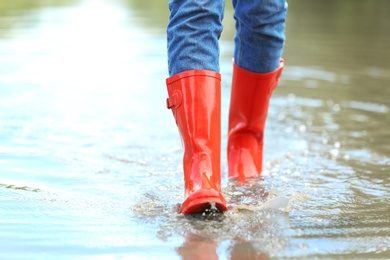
(195,100)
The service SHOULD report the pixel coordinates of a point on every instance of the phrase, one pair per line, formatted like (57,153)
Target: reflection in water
(90,159)
(197,248)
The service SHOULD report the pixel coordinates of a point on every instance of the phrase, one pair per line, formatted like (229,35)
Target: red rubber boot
(250,96)
(195,100)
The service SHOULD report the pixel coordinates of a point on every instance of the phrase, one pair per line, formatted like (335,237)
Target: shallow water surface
(90,158)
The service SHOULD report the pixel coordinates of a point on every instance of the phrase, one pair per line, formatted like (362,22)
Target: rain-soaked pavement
(90,158)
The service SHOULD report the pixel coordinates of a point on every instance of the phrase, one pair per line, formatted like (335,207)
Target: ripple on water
(73,218)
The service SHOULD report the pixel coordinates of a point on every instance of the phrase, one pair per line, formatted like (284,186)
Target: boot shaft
(195,101)
(250,95)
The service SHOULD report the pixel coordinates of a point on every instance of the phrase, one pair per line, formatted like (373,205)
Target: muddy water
(90,159)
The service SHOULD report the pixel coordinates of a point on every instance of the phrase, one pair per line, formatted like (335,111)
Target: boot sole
(200,200)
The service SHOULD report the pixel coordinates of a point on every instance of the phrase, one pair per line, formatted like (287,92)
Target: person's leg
(194,90)
(259,38)
(193,32)
(259,43)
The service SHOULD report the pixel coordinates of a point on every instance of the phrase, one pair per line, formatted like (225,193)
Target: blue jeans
(195,26)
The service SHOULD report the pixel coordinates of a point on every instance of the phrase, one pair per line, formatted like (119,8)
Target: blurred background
(90,158)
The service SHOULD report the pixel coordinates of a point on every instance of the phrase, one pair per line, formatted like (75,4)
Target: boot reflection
(196,247)
(245,250)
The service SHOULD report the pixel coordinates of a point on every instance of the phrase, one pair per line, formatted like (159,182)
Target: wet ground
(90,158)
